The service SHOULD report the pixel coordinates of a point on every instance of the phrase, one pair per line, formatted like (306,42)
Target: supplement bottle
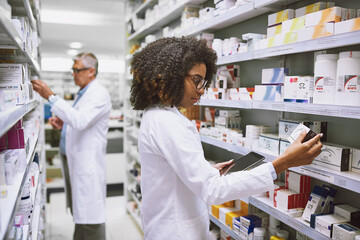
(325,78)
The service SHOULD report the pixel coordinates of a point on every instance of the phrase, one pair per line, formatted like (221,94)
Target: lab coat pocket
(196,228)
(84,162)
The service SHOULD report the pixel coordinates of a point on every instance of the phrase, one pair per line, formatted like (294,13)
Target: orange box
(230,216)
(347,26)
(215,210)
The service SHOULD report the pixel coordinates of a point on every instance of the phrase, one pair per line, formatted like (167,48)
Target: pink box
(3,144)
(16,139)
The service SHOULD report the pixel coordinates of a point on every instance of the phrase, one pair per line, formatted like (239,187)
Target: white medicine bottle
(348,79)
(259,233)
(325,78)
(283,234)
(218,47)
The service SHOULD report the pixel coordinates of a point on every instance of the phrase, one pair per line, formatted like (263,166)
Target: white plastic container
(274,222)
(218,47)
(348,79)
(325,78)
(283,234)
(259,233)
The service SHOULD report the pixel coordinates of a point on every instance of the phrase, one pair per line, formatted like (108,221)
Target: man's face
(82,75)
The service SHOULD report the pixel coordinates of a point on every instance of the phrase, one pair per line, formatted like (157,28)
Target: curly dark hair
(160,69)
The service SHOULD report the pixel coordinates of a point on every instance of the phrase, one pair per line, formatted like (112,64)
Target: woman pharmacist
(177,181)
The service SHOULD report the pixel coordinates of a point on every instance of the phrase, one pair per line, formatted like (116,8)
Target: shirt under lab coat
(178,183)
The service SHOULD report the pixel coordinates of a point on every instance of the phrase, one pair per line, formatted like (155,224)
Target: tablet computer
(250,160)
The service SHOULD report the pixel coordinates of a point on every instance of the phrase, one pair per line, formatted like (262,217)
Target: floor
(119,224)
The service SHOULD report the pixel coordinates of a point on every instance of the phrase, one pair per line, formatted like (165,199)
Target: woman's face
(193,85)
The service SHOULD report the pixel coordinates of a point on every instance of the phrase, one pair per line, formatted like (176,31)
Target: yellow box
(317,31)
(215,210)
(271,31)
(281,16)
(310,9)
(293,24)
(244,207)
(347,26)
(224,211)
(230,204)
(230,217)
(333,14)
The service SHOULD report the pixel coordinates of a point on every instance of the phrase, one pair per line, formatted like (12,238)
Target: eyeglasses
(77,70)
(198,81)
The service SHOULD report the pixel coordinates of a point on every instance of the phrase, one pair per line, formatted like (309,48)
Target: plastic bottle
(218,46)
(283,234)
(348,79)
(325,78)
(259,233)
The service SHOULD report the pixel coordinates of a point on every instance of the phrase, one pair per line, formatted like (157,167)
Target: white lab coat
(86,139)
(178,183)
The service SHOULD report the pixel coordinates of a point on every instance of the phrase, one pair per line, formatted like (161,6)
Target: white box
(297,131)
(305,91)
(284,38)
(355,160)
(242,94)
(268,93)
(290,88)
(347,14)
(273,75)
(315,202)
(332,15)
(347,26)
(345,211)
(269,144)
(286,127)
(294,24)
(284,144)
(223,211)
(282,199)
(329,199)
(221,81)
(272,31)
(317,31)
(344,231)
(324,224)
(334,156)
(310,9)
(281,16)
(11,75)
(297,182)
(229,113)
(295,212)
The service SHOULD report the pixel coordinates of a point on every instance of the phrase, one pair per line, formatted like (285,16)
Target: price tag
(317,174)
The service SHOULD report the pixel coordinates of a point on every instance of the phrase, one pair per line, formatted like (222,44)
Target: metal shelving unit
(9,204)
(224,227)
(305,108)
(140,11)
(298,224)
(11,116)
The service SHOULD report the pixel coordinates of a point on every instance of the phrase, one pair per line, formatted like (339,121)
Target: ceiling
(97,24)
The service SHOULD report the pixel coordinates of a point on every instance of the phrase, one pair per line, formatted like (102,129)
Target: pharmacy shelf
(35,222)
(346,180)
(135,217)
(23,8)
(265,204)
(333,41)
(134,197)
(224,227)
(10,39)
(272,3)
(171,15)
(234,15)
(9,117)
(226,103)
(305,108)
(140,11)
(227,146)
(9,204)
(239,57)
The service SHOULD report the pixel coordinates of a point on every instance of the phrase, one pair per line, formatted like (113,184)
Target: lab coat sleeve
(181,148)
(85,116)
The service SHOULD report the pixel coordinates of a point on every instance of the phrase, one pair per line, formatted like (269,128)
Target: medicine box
(290,88)
(224,211)
(324,224)
(281,16)
(283,38)
(313,32)
(231,216)
(294,24)
(347,26)
(11,75)
(315,202)
(287,199)
(334,157)
(328,15)
(329,199)
(294,212)
(355,161)
(305,91)
(272,31)
(215,210)
(310,9)
(243,94)
(269,144)
(268,93)
(348,14)
(346,211)
(297,182)
(273,75)
(286,127)
(344,231)
(221,81)
(284,144)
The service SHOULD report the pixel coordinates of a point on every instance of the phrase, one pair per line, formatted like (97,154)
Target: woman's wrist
(280,164)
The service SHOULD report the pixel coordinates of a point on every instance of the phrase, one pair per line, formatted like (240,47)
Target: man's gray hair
(88,59)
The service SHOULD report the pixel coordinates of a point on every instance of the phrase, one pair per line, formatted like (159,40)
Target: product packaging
(355,161)
(273,75)
(269,144)
(281,16)
(328,15)
(345,231)
(315,31)
(315,202)
(347,26)
(268,93)
(310,9)
(334,156)
(324,224)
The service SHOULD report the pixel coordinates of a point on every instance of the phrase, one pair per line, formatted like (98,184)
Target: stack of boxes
(310,22)
(246,224)
(272,81)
